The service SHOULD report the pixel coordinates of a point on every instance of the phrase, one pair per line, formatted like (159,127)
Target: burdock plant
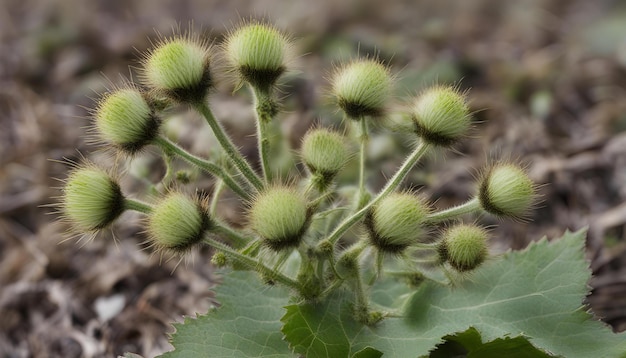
(310,270)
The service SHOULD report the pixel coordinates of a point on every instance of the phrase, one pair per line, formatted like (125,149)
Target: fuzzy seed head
(506,190)
(441,115)
(258,52)
(91,200)
(124,119)
(362,88)
(396,221)
(179,67)
(280,216)
(324,152)
(177,223)
(464,247)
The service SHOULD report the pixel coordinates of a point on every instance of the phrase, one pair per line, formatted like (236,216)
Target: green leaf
(532,296)
(390,293)
(472,346)
(368,352)
(326,329)
(247,324)
(536,293)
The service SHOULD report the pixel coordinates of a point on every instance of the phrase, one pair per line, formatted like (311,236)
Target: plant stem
(350,258)
(136,205)
(319,270)
(240,162)
(378,269)
(310,185)
(228,232)
(363,136)
(264,116)
(167,177)
(217,190)
(211,168)
(466,208)
(320,199)
(361,305)
(392,184)
(253,264)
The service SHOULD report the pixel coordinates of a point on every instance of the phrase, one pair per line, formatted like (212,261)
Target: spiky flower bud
(91,199)
(362,88)
(396,221)
(184,176)
(258,53)
(219,259)
(279,215)
(177,223)
(464,247)
(506,190)
(441,115)
(324,153)
(179,67)
(124,119)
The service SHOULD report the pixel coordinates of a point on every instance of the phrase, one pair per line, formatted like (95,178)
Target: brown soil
(547,80)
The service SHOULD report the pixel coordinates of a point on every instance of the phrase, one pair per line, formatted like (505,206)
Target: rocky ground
(547,79)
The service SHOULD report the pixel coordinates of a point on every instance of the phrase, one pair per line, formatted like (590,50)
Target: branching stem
(215,199)
(466,208)
(239,239)
(211,168)
(363,140)
(238,160)
(265,111)
(253,264)
(392,184)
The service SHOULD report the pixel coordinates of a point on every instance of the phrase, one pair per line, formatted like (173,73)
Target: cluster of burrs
(305,221)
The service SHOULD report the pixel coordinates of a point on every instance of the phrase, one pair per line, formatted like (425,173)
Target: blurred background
(547,79)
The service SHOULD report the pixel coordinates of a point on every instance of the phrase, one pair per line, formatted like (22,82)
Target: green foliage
(324,273)
(522,304)
(247,323)
(470,343)
(536,293)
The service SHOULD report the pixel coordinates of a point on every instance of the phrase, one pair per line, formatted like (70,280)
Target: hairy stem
(236,237)
(466,208)
(217,190)
(211,168)
(362,304)
(350,261)
(363,139)
(238,160)
(136,205)
(169,172)
(265,111)
(252,264)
